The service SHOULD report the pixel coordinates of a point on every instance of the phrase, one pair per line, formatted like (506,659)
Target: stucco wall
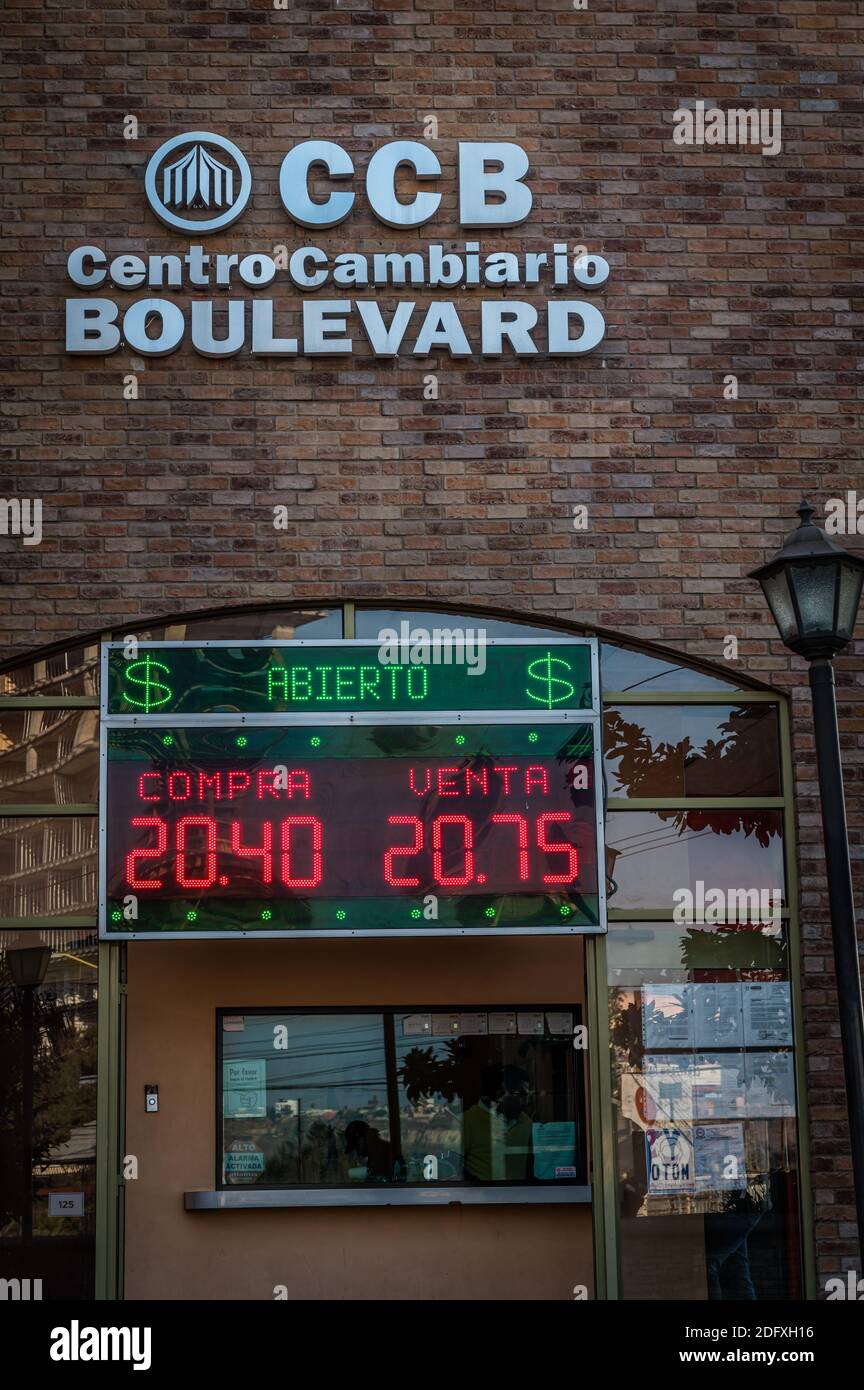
(463,1253)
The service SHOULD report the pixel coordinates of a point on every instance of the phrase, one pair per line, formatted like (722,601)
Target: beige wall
(174,989)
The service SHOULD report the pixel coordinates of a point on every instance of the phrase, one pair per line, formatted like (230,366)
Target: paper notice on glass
(667,1082)
(244,1089)
(473,1023)
(530,1025)
(636,1102)
(554,1148)
(717,1017)
(767,1013)
(666,1018)
(445,1025)
(559,1025)
(669,1159)
(719,1086)
(770,1085)
(718,1153)
(415,1025)
(503,1023)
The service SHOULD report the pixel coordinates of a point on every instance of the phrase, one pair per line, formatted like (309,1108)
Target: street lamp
(28,961)
(813,588)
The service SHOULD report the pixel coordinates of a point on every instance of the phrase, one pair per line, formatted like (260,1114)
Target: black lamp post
(813,588)
(28,965)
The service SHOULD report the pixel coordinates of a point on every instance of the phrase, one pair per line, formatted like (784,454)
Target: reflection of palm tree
(643,769)
(62,1055)
(424,1073)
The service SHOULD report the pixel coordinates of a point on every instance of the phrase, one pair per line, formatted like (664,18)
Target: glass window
(48,1046)
(296,1089)
(370,621)
(49,755)
(47,865)
(658,751)
(704,1099)
(624,669)
(489,1097)
(285,624)
(652,855)
(447,1096)
(71,672)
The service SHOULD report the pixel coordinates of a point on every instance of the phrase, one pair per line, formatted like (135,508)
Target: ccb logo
(201,175)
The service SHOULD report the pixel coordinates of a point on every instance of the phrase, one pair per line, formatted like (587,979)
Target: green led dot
(490,912)
(191,916)
(415,912)
(460,739)
(241,741)
(316,742)
(565,910)
(116,915)
(532,737)
(266,914)
(167,740)
(341,914)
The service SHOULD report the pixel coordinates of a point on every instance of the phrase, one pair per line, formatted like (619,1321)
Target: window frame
(580,1112)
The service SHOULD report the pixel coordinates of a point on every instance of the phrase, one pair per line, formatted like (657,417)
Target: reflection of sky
(621,669)
(655,860)
(331,1060)
(369,623)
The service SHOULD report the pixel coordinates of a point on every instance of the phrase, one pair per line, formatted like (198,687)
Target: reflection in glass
(692,750)
(651,855)
(49,755)
(705,1114)
(624,669)
(304,1099)
(369,622)
(48,1231)
(286,624)
(417,1098)
(74,671)
(47,865)
(491,1106)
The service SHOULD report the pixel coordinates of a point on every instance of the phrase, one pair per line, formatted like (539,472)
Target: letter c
(381,183)
(77,270)
(294,183)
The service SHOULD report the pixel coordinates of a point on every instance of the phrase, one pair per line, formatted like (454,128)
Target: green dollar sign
(541,670)
(153,687)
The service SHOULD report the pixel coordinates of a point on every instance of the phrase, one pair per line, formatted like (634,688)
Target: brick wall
(724,261)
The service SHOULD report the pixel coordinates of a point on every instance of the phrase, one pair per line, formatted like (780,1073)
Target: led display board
(310,679)
(363,822)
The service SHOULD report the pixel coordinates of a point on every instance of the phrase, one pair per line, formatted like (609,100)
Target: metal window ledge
(247,1200)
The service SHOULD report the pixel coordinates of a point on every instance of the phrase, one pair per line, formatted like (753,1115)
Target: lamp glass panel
(851,580)
(815,586)
(776,590)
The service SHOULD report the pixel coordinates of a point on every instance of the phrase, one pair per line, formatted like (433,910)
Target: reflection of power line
(665,834)
(676,840)
(647,680)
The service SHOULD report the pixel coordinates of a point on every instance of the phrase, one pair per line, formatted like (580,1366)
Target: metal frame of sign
(590,715)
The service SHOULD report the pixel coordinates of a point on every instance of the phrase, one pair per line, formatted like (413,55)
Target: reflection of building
(49,756)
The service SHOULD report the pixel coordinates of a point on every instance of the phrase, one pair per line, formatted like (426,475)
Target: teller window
(413,1096)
